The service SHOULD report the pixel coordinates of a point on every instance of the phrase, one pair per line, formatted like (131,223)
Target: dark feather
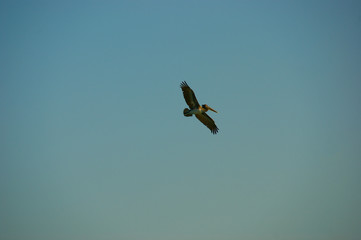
(189,96)
(208,121)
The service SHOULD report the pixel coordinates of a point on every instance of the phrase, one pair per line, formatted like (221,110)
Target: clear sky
(94,144)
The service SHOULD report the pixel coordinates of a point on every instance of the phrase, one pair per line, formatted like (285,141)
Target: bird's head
(205,106)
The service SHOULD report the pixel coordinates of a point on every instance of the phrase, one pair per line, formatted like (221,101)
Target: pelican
(196,109)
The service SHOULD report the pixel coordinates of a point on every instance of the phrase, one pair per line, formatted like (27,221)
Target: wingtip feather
(184,84)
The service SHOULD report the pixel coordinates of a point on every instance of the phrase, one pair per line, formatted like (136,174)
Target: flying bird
(198,110)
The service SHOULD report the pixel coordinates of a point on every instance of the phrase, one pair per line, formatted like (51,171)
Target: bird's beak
(212,110)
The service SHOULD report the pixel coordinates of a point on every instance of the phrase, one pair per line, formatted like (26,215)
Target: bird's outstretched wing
(208,121)
(189,96)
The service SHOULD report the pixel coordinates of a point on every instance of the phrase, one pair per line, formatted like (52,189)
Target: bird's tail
(186,112)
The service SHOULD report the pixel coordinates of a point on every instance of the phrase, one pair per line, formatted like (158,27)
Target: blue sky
(94,144)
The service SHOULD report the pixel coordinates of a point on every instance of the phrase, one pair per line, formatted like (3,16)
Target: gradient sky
(94,145)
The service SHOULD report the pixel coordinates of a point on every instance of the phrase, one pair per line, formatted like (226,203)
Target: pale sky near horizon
(94,145)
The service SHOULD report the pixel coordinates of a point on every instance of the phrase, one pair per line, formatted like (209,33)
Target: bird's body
(198,110)
(195,111)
